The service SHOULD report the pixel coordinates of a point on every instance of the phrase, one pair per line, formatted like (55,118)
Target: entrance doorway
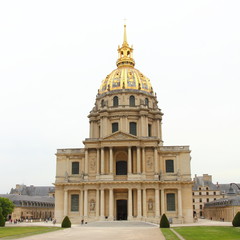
(122,210)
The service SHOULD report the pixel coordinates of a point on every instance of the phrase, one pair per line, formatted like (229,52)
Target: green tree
(66,223)
(2,220)
(236,220)
(7,206)
(164,223)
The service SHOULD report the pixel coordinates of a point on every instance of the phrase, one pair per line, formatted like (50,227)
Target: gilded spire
(125,52)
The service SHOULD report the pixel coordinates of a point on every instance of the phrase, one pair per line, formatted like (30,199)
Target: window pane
(114,127)
(121,168)
(149,130)
(170,202)
(75,167)
(133,128)
(132,101)
(146,101)
(169,166)
(115,101)
(75,203)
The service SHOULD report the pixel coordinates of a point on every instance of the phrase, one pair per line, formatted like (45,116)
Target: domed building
(124,172)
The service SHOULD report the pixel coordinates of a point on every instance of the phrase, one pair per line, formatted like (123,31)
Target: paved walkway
(104,231)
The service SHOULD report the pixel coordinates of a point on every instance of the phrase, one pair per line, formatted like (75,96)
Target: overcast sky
(54,55)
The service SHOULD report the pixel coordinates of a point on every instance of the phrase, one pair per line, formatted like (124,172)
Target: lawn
(208,233)
(168,234)
(18,232)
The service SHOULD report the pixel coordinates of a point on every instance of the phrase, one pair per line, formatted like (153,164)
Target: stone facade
(204,191)
(124,172)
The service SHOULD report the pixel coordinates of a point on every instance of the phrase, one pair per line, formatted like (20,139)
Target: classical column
(138,161)
(156,170)
(97,203)
(65,209)
(129,203)
(179,203)
(85,203)
(86,161)
(102,205)
(129,160)
(139,199)
(81,203)
(111,204)
(98,161)
(102,160)
(144,202)
(111,160)
(162,202)
(157,210)
(143,161)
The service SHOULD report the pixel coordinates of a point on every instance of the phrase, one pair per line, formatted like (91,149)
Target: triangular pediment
(120,136)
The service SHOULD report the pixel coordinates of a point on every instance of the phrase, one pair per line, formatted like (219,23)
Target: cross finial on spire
(125,33)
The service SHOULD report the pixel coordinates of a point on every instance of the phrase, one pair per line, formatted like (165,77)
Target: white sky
(54,55)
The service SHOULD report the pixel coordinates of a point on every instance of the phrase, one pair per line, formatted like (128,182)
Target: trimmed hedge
(236,220)
(164,223)
(66,223)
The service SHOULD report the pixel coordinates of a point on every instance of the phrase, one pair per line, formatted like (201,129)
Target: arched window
(102,103)
(133,128)
(115,101)
(169,166)
(146,102)
(132,101)
(149,130)
(121,168)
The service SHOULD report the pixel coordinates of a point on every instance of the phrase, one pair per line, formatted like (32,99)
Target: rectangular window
(149,130)
(75,203)
(171,202)
(75,167)
(133,128)
(114,127)
(169,166)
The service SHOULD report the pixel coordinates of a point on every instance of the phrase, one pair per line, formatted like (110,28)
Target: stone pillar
(139,200)
(97,203)
(102,161)
(144,203)
(129,204)
(179,203)
(85,203)
(81,203)
(138,161)
(65,206)
(162,202)
(102,205)
(156,170)
(111,204)
(111,160)
(86,161)
(98,161)
(129,160)
(143,161)
(157,209)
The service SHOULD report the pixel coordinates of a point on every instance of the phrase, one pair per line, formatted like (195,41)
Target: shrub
(164,223)
(236,220)
(66,223)
(2,219)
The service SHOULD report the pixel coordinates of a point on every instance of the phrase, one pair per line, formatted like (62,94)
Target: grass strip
(168,234)
(209,233)
(18,232)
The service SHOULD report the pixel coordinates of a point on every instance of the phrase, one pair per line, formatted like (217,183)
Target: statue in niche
(66,176)
(92,164)
(92,205)
(149,163)
(150,205)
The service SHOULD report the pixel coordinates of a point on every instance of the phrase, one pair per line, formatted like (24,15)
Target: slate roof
(33,190)
(222,202)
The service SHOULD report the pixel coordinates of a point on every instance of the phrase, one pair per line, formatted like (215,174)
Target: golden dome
(125,76)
